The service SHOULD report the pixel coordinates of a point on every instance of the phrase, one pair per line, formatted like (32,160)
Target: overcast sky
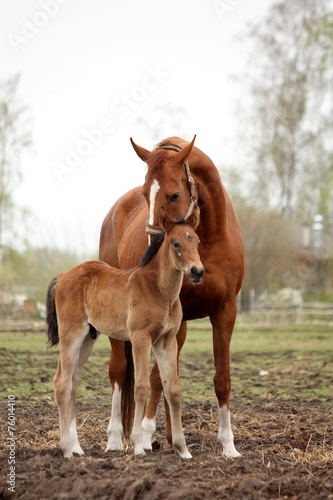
(92,73)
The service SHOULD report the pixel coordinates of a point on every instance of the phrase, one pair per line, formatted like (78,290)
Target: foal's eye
(176,245)
(174,197)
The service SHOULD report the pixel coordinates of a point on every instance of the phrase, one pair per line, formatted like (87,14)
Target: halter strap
(151,228)
(193,191)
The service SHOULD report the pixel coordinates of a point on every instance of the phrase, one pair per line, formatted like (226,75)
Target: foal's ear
(166,223)
(140,151)
(185,152)
(194,218)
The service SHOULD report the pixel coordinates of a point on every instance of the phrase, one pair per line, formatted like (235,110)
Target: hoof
(231,453)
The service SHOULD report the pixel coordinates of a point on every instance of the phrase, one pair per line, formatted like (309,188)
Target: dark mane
(156,242)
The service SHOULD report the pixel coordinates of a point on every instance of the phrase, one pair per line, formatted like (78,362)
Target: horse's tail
(51,314)
(127,393)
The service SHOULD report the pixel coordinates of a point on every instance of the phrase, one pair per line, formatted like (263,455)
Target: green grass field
(266,362)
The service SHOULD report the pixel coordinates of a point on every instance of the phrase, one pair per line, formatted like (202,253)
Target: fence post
(251,300)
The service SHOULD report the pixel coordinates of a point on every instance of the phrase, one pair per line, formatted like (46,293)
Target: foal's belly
(118,335)
(109,330)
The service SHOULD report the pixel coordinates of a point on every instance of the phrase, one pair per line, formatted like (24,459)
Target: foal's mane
(151,250)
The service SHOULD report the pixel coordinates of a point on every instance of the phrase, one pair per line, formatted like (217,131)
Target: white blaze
(152,196)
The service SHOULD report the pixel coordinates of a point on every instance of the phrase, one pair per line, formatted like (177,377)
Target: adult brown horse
(179,177)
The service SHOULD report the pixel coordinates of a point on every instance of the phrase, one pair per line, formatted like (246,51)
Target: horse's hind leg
(69,353)
(117,373)
(149,422)
(166,354)
(223,323)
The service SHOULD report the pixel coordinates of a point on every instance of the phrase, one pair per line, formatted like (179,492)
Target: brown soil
(286,453)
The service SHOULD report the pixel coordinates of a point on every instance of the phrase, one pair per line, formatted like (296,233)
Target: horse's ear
(194,218)
(140,151)
(185,152)
(165,221)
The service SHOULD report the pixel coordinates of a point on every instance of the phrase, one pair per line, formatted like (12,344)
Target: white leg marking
(148,429)
(115,428)
(76,448)
(225,434)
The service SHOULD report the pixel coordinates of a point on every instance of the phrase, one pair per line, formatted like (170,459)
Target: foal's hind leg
(166,354)
(65,384)
(85,351)
(149,422)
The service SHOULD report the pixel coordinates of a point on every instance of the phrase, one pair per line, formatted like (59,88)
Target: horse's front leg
(223,323)
(117,373)
(149,422)
(166,354)
(141,345)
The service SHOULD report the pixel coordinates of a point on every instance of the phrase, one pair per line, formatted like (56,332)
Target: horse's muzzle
(197,274)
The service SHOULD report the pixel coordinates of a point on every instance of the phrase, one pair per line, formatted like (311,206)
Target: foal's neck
(167,277)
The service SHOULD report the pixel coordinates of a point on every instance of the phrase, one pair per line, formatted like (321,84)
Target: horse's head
(168,182)
(183,245)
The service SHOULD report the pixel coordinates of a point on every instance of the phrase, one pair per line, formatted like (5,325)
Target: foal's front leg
(166,354)
(141,344)
(149,422)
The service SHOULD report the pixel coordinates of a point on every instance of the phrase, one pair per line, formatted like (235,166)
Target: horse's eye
(174,197)
(176,245)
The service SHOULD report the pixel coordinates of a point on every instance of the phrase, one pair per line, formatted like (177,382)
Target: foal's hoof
(139,451)
(231,454)
(186,455)
(77,450)
(114,447)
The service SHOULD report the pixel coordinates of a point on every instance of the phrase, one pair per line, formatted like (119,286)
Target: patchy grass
(266,362)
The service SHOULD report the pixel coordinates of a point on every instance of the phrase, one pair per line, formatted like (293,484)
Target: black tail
(51,314)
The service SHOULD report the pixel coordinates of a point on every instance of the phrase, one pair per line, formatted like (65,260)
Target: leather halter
(151,229)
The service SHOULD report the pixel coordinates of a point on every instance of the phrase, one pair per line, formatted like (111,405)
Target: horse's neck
(213,199)
(168,278)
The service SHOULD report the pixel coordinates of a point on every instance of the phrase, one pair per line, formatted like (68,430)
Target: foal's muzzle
(197,274)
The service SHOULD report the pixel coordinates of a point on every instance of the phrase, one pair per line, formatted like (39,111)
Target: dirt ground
(286,453)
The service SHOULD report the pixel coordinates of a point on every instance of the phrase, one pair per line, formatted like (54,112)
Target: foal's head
(168,181)
(183,243)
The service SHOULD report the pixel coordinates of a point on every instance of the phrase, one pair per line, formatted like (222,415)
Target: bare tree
(291,117)
(15,136)
(270,248)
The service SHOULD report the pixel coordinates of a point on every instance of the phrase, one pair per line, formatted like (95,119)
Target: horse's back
(122,238)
